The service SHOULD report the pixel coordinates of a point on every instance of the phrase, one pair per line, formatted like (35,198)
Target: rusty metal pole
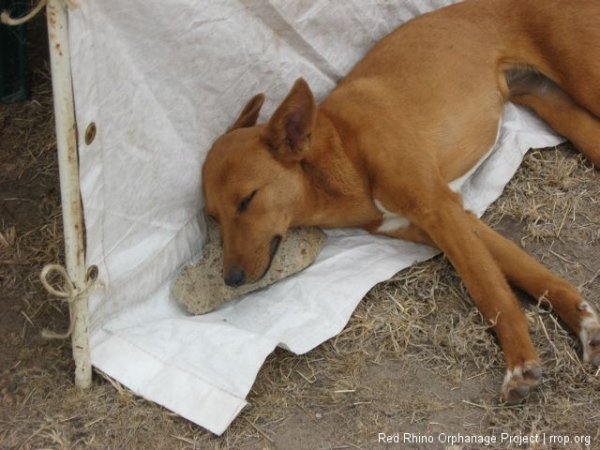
(66,141)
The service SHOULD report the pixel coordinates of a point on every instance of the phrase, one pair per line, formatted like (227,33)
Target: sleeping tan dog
(382,150)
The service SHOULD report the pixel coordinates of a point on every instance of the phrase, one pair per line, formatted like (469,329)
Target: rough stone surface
(200,287)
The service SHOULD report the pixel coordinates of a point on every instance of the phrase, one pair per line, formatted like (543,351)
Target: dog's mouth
(237,278)
(272,251)
(275,244)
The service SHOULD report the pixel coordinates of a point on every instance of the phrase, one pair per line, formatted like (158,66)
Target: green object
(13,53)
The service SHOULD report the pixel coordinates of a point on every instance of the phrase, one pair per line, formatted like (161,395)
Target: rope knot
(68,292)
(6,18)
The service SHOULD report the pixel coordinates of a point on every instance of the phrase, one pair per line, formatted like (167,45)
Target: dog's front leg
(439,213)
(525,272)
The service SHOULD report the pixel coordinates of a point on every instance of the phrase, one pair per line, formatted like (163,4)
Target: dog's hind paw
(519,380)
(590,335)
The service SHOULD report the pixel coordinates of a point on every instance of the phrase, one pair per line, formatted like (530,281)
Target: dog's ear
(249,114)
(289,130)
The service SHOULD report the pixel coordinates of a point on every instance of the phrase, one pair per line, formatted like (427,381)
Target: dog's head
(253,182)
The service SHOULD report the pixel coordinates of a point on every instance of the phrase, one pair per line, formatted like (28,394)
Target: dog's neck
(335,193)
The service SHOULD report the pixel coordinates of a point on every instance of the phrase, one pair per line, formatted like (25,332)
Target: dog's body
(382,150)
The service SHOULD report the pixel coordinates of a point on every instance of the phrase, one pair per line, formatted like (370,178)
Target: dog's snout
(235,278)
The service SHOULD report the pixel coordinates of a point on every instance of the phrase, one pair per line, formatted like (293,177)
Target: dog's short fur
(381,152)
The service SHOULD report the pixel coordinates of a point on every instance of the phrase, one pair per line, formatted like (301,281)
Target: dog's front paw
(590,335)
(519,380)
(592,349)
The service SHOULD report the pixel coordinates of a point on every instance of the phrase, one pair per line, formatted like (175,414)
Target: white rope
(6,19)
(68,293)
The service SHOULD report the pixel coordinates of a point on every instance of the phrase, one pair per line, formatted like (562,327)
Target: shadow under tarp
(14,86)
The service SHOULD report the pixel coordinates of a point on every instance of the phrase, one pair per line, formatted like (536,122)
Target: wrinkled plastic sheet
(161,80)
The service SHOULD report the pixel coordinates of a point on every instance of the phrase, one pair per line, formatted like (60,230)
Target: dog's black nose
(235,278)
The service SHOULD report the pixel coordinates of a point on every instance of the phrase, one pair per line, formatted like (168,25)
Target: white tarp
(161,80)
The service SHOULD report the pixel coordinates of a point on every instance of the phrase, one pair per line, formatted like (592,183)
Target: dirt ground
(415,358)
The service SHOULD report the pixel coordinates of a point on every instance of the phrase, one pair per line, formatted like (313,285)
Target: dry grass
(415,357)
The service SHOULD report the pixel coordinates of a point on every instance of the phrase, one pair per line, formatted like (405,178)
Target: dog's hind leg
(532,89)
(525,272)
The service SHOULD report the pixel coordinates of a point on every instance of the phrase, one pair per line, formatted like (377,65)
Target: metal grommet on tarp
(90,133)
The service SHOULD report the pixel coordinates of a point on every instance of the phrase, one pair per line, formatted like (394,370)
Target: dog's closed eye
(243,206)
